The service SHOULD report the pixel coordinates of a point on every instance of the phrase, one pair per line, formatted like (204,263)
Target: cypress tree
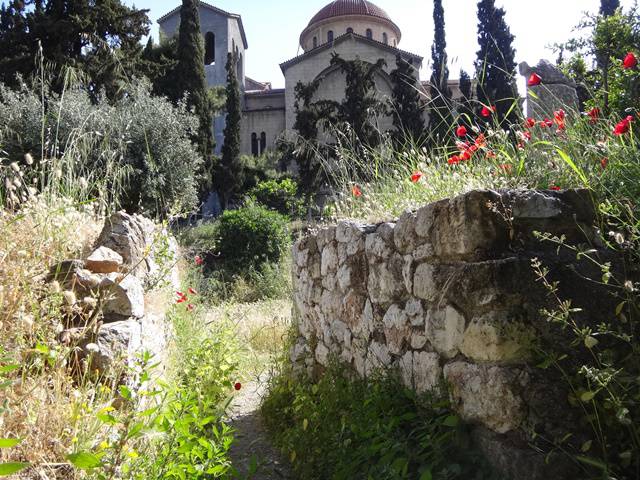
(465,109)
(495,63)
(189,79)
(407,114)
(229,173)
(609,7)
(440,105)
(360,105)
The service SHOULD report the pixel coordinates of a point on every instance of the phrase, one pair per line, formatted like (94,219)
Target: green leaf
(593,462)
(9,442)
(451,421)
(590,342)
(568,161)
(426,475)
(11,468)
(9,368)
(84,460)
(587,396)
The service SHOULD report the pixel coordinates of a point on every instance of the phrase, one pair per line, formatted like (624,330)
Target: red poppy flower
(356,192)
(623,126)
(192,291)
(630,61)
(555,188)
(415,178)
(604,162)
(560,114)
(487,111)
(462,146)
(466,155)
(481,140)
(198,260)
(454,160)
(594,114)
(534,80)
(237,386)
(461,131)
(546,123)
(190,308)
(181,297)
(530,123)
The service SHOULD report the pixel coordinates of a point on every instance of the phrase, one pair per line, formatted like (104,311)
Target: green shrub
(278,195)
(341,428)
(136,153)
(250,237)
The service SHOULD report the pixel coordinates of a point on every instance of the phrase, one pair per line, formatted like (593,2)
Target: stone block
(497,336)
(104,260)
(386,283)
(124,295)
(444,328)
(487,395)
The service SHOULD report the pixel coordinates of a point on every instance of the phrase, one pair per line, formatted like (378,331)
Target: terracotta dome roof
(339,8)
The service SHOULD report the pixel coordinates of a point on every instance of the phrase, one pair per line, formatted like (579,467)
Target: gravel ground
(251,440)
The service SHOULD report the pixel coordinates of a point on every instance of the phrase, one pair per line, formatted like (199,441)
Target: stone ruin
(555,92)
(108,318)
(447,297)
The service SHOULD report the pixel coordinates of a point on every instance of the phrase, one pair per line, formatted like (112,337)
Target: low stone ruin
(555,92)
(106,318)
(447,297)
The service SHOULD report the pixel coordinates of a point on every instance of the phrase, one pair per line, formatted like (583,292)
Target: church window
(349,30)
(385,38)
(209,48)
(315,42)
(330,36)
(263,142)
(369,33)
(255,147)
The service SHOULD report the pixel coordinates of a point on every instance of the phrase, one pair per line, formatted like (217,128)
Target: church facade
(351,28)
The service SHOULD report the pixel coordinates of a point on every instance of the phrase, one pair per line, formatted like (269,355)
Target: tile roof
(339,8)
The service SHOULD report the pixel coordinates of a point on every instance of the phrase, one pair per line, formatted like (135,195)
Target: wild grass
(571,152)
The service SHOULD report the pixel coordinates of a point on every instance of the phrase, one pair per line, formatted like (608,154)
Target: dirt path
(252,444)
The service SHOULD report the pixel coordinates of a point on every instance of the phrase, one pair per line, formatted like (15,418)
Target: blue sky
(273,27)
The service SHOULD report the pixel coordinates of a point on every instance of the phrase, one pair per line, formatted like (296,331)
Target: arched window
(349,30)
(315,42)
(330,36)
(255,147)
(263,142)
(385,38)
(395,42)
(209,48)
(369,33)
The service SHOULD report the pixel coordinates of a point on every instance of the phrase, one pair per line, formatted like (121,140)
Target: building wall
(339,26)
(309,69)
(227,38)
(270,121)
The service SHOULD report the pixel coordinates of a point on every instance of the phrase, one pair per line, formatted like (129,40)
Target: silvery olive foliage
(138,149)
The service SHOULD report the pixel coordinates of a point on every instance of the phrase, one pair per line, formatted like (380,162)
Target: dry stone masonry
(106,294)
(447,297)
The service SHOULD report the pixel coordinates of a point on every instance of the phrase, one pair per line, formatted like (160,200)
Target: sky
(273,28)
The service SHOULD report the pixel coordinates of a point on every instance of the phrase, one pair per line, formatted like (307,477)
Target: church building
(351,28)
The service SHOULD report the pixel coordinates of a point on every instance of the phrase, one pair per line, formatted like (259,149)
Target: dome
(339,8)
(360,17)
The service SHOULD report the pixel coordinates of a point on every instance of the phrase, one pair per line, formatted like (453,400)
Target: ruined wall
(447,296)
(119,295)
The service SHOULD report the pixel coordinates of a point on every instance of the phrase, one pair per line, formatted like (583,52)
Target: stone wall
(446,295)
(117,297)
